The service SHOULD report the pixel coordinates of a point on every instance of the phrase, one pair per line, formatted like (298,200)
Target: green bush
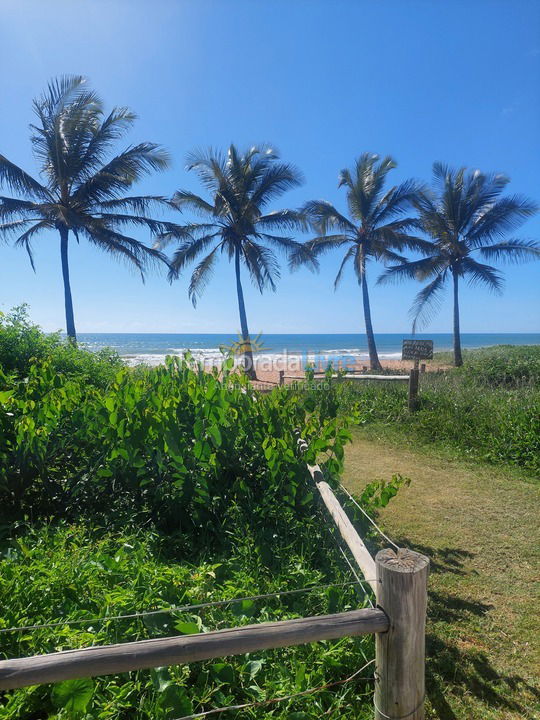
(70,572)
(23,343)
(173,444)
(503,366)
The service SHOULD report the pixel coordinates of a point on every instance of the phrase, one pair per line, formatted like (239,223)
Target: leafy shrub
(173,444)
(503,366)
(71,572)
(23,343)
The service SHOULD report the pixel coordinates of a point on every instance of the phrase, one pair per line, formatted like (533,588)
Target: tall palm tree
(81,192)
(236,223)
(375,230)
(464,214)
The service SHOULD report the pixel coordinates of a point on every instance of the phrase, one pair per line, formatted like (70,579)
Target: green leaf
(224,672)
(176,701)
(215,435)
(246,607)
(253,667)
(160,623)
(73,695)
(161,678)
(187,628)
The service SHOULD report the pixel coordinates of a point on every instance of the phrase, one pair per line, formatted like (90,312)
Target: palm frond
(25,239)
(365,186)
(13,227)
(139,204)
(102,135)
(512,251)
(13,207)
(397,200)
(187,233)
(324,243)
(349,255)
(480,274)
(506,214)
(210,166)
(392,236)
(20,182)
(302,255)
(120,174)
(428,302)
(262,265)
(157,227)
(324,216)
(413,270)
(282,220)
(185,199)
(122,246)
(201,276)
(276,179)
(188,251)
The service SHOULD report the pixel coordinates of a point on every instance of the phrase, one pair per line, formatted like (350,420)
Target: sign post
(415,350)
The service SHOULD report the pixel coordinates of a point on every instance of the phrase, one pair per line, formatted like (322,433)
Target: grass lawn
(479,526)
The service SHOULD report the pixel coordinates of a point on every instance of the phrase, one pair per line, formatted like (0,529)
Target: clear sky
(322,80)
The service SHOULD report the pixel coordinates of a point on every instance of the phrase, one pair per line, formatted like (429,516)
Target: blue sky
(322,80)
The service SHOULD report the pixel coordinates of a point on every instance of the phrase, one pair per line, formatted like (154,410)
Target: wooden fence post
(413,388)
(400,652)
(281,377)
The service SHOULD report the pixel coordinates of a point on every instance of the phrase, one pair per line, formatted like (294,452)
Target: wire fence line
(177,609)
(333,532)
(262,703)
(329,455)
(369,518)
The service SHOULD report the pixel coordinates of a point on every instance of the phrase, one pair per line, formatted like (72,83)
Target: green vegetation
(173,444)
(478,524)
(22,343)
(489,409)
(160,487)
(73,572)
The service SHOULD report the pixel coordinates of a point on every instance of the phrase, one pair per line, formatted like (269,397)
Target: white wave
(214,357)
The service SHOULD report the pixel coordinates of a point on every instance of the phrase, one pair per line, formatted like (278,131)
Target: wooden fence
(398,579)
(413,379)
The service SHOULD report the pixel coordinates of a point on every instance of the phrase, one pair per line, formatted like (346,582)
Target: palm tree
(81,192)
(236,223)
(465,214)
(375,230)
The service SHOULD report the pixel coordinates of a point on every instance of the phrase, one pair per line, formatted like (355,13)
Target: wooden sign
(417,350)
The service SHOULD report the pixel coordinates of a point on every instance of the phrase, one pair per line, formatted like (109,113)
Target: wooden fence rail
(348,376)
(124,657)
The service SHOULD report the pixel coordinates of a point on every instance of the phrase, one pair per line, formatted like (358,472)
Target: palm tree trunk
(70,320)
(374,361)
(458,359)
(248,365)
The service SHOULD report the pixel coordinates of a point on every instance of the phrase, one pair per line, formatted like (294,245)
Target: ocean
(152,348)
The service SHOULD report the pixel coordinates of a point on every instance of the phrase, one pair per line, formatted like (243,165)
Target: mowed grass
(479,526)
